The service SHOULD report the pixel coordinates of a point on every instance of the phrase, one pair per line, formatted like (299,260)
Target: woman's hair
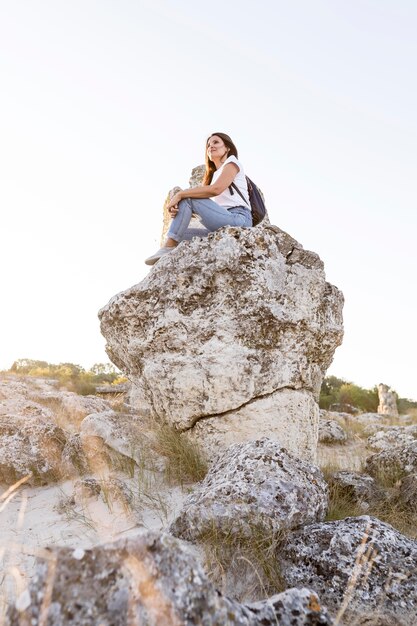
(210,167)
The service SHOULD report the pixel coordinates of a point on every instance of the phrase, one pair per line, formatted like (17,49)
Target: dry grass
(355,430)
(244,565)
(67,419)
(185,461)
(388,507)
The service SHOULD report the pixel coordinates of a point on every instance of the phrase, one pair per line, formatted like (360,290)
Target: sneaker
(151,260)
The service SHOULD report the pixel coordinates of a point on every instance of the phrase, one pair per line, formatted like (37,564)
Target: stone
(331,432)
(392,436)
(122,432)
(31,444)
(408,492)
(150,579)
(253,488)
(387,401)
(112,489)
(292,607)
(356,487)
(394,462)
(359,562)
(234,329)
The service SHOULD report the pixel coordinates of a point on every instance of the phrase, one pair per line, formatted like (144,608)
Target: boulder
(331,432)
(408,492)
(358,563)
(122,432)
(392,436)
(355,487)
(394,462)
(232,333)
(31,444)
(253,488)
(148,579)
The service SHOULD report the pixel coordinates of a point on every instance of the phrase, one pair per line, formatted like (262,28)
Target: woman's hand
(172,205)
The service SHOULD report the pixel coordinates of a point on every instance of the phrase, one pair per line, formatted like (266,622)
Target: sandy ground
(32,518)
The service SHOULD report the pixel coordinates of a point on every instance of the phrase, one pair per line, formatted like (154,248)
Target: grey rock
(408,492)
(242,320)
(151,580)
(111,489)
(253,487)
(292,607)
(395,461)
(356,487)
(391,436)
(331,432)
(30,443)
(359,560)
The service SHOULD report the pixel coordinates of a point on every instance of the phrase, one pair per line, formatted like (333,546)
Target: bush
(71,376)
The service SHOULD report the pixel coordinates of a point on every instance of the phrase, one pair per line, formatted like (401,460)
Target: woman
(213,201)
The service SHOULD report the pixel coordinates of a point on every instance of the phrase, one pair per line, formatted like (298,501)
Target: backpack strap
(239,192)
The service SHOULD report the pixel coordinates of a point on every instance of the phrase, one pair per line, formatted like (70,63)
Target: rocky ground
(92,503)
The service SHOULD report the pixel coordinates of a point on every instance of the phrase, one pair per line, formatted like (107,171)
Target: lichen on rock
(238,327)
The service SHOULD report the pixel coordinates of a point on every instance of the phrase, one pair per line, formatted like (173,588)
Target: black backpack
(256,200)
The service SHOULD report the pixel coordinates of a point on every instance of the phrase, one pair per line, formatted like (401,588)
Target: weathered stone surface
(111,488)
(292,607)
(122,432)
(331,432)
(392,436)
(150,580)
(394,461)
(39,430)
(387,401)
(224,323)
(358,488)
(30,443)
(408,492)
(256,486)
(359,560)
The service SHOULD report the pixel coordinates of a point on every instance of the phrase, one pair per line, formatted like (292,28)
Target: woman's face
(216,148)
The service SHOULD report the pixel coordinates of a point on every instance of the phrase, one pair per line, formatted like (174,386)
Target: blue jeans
(212,215)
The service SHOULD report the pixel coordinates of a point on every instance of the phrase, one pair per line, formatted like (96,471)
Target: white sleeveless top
(226,199)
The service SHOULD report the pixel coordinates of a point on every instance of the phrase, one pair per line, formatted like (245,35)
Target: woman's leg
(212,215)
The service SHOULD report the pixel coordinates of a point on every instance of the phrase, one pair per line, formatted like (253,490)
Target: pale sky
(105,105)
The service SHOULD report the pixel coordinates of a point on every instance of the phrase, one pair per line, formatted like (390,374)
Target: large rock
(151,580)
(31,445)
(253,488)
(355,487)
(232,333)
(359,561)
(395,462)
(390,437)
(38,431)
(331,432)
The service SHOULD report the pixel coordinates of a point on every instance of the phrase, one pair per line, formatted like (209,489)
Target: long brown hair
(210,167)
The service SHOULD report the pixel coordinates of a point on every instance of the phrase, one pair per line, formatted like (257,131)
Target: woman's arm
(207,191)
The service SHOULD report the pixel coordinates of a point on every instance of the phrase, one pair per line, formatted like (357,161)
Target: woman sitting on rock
(213,202)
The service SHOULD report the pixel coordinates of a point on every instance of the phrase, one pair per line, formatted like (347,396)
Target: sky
(105,106)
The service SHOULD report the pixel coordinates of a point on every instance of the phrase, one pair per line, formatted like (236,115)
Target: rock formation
(331,432)
(38,438)
(387,401)
(229,337)
(394,462)
(355,487)
(253,487)
(151,580)
(359,561)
